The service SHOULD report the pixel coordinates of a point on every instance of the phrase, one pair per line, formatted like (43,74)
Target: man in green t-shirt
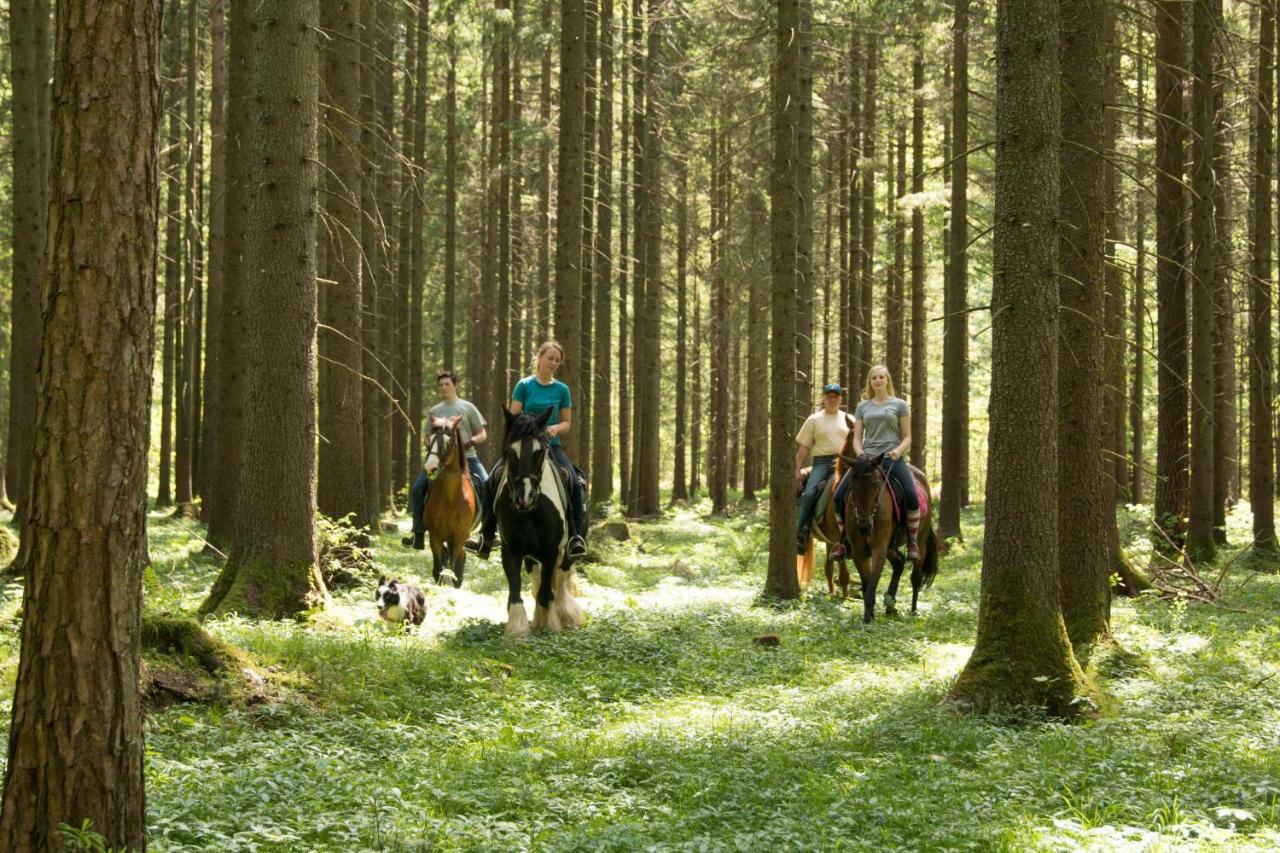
(473,431)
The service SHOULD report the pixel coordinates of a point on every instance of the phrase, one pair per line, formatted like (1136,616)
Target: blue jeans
(898,470)
(422,486)
(822,467)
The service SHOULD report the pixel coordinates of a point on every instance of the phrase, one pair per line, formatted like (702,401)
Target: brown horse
(874,535)
(451,509)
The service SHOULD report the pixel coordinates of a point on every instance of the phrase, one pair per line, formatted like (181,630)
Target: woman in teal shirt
(536,394)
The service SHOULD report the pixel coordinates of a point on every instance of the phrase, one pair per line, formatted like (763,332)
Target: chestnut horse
(875,535)
(826,527)
(451,509)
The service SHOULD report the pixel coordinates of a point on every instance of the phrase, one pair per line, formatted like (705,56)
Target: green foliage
(661,724)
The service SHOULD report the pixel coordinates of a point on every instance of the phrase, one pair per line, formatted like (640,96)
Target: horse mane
(522,426)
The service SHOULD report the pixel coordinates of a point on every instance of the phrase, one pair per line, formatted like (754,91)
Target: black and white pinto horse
(532,513)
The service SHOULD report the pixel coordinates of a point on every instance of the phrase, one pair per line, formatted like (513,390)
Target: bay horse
(531,507)
(875,535)
(451,510)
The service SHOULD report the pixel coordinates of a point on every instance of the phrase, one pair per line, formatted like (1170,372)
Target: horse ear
(436,422)
(454,421)
(543,418)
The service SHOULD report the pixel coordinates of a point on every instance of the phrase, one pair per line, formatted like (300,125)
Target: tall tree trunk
(417,255)
(792,120)
(1023,655)
(679,488)
(233,332)
(172,250)
(718,448)
(955,324)
(184,457)
(1171,282)
(602,399)
(1200,543)
(497,241)
(406,193)
(625,264)
(695,401)
(340,485)
(756,418)
(450,206)
(209,483)
(895,319)
(854,318)
(29,207)
(1137,411)
(568,287)
(75,739)
(388,210)
(584,394)
(1261,377)
(1083,567)
(919,388)
(867,249)
(544,298)
(638,257)
(272,570)
(1226,465)
(370,237)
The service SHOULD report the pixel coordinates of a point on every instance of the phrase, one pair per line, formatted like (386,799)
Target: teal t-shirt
(537,398)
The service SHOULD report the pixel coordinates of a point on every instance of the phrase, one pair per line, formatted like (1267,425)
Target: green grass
(660,725)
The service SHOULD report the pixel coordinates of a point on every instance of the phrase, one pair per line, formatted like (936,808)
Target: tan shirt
(824,434)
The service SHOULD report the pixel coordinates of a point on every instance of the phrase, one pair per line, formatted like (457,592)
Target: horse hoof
(517,621)
(447,578)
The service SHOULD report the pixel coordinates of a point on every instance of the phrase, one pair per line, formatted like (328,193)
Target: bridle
(438,446)
(866,522)
(526,468)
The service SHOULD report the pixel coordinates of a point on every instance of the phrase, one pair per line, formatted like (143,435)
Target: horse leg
(458,550)
(829,569)
(916,576)
(517,619)
(844,578)
(563,604)
(544,617)
(872,580)
(891,595)
(437,558)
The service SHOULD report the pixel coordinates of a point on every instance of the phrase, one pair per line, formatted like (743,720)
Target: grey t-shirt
(472,421)
(880,430)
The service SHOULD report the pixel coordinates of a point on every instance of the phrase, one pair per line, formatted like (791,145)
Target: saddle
(897,498)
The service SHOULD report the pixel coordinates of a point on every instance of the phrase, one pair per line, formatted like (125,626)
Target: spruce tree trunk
(417,255)
(695,402)
(401,476)
(450,210)
(625,264)
(212,388)
(1139,311)
(1171,279)
(569,165)
(272,571)
(679,489)
(388,211)
(370,250)
(1261,377)
(224,502)
(172,250)
(30,176)
(184,457)
(955,324)
(868,246)
(1022,655)
(75,740)
(1200,544)
(542,323)
(792,120)
(756,417)
(602,440)
(583,395)
(639,203)
(855,318)
(497,237)
(718,451)
(919,388)
(341,413)
(1226,463)
(1083,565)
(895,318)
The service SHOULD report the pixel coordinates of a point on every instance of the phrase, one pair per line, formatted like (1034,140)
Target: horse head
(526,454)
(867,482)
(444,440)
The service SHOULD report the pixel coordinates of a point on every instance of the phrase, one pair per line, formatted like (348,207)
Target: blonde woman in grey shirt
(882,425)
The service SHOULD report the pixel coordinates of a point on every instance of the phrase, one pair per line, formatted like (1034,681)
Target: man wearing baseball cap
(821,436)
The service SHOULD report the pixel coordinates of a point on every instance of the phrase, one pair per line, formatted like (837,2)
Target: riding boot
(913,525)
(482,545)
(414,541)
(839,551)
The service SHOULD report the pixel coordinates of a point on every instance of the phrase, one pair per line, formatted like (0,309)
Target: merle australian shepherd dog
(400,603)
(532,511)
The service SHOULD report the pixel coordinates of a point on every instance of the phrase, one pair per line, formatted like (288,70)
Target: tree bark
(451,206)
(602,399)
(919,388)
(184,457)
(792,120)
(1171,281)
(272,571)
(568,285)
(718,449)
(1226,463)
(1139,311)
(75,743)
(1022,655)
(895,318)
(679,488)
(172,250)
(210,481)
(341,412)
(417,254)
(867,249)
(1083,567)
(1261,442)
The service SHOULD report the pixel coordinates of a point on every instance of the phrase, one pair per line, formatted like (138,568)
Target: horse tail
(929,565)
(805,564)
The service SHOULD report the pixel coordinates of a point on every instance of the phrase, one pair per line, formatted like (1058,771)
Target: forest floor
(660,725)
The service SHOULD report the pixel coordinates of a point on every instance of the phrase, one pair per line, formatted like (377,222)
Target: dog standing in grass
(400,604)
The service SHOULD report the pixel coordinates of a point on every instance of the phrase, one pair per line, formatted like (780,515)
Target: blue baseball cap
(832,388)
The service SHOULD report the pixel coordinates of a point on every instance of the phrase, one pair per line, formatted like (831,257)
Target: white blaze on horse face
(433,463)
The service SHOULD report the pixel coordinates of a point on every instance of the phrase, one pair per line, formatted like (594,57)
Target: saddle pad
(922,498)
(825,492)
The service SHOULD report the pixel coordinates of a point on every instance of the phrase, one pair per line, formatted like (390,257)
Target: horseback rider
(473,429)
(882,424)
(535,394)
(823,434)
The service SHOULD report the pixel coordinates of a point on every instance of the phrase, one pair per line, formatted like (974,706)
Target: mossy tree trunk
(272,570)
(1022,655)
(75,743)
